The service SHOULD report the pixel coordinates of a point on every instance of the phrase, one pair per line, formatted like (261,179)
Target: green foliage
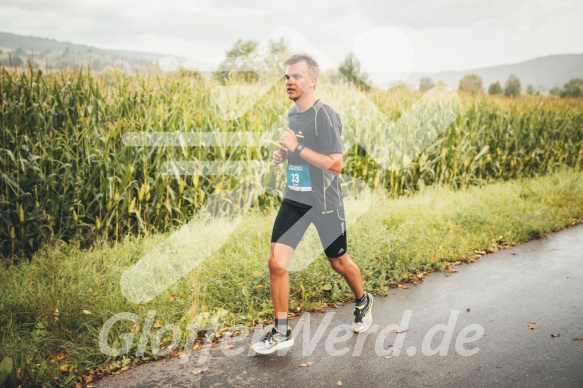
(237,63)
(495,88)
(512,87)
(12,61)
(573,88)
(555,91)
(350,68)
(471,83)
(530,90)
(426,83)
(5,369)
(246,60)
(67,174)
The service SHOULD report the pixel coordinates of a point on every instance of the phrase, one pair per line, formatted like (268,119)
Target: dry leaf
(87,312)
(64,368)
(172,298)
(229,346)
(400,331)
(198,371)
(18,372)
(402,296)
(60,356)
(531,325)
(127,377)
(578,339)
(339,383)
(402,286)
(88,378)
(157,324)
(307,364)
(554,335)
(450,270)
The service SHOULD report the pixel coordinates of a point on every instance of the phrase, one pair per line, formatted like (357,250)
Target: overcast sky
(413,35)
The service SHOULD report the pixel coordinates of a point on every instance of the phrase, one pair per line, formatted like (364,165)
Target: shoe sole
(282,345)
(371,306)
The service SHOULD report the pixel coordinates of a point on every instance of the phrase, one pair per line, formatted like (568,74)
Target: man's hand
(289,140)
(279,156)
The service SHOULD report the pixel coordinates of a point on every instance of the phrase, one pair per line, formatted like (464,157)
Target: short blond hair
(313,66)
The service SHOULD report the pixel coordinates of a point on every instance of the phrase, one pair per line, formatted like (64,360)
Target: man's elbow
(336,166)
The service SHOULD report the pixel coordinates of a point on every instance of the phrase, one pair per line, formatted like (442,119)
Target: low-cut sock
(281,325)
(360,303)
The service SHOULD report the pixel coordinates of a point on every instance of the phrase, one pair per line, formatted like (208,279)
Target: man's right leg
(288,229)
(279,259)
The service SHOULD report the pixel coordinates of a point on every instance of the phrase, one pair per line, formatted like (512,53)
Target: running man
(313,148)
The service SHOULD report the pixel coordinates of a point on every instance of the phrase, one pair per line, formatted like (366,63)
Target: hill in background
(543,73)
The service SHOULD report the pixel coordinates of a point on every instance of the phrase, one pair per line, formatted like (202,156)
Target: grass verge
(53,308)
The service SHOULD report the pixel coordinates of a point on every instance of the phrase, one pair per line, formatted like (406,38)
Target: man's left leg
(349,270)
(331,228)
(363,301)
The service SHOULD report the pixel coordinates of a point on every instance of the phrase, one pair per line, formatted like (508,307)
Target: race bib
(298,177)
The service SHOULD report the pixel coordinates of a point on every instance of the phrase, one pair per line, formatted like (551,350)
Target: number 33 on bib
(298,177)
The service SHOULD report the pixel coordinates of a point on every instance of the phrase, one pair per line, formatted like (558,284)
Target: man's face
(298,80)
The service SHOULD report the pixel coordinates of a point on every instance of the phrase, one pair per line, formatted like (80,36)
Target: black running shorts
(292,222)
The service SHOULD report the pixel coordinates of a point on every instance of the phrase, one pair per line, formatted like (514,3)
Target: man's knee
(339,264)
(275,268)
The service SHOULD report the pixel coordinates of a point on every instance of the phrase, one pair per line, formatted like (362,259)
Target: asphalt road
(490,324)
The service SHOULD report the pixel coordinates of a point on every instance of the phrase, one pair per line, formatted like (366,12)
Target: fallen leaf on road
(400,331)
(122,370)
(339,383)
(531,325)
(578,339)
(307,364)
(554,335)
(198,371)
(402,296)
(450,270)
(229,346)
(402,286)
(127,377)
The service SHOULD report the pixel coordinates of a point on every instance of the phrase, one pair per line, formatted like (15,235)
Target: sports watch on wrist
(299,148)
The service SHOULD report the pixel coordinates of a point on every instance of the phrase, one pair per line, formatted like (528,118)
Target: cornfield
(66,172)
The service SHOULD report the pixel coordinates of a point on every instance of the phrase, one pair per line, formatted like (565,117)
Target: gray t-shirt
(319,129)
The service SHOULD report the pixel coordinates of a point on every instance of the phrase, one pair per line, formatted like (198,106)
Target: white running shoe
(273,341)
(363,315)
